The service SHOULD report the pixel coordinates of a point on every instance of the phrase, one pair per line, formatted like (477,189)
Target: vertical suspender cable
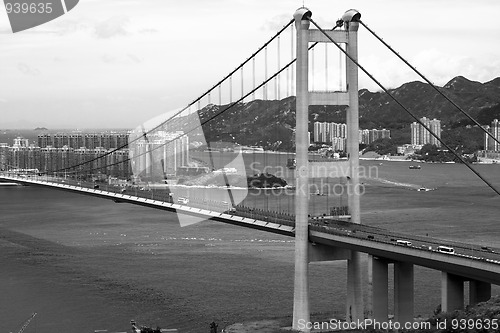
(312,69)
(242,86)
(326,66)
(265,72)
(231,89)
(90,161)
(253,78)
(288,82)
(220,96)
(278,77)
(460,158)
(430,83)
(341,70)
(291,58)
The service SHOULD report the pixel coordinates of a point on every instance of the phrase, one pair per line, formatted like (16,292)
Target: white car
(183,201)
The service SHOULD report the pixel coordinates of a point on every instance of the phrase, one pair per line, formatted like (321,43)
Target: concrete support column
(379,293)
(301,312)
(354,304)
(403,292)
(452,292)
(479,292)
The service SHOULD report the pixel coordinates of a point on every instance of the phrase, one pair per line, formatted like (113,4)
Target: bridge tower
(348,36)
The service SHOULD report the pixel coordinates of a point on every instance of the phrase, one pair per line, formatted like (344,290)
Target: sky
(118,63)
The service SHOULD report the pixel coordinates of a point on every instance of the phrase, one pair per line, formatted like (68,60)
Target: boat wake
(409,186)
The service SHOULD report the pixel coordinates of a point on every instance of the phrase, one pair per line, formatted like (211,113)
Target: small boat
(425,189)
(145,329)
(414,167)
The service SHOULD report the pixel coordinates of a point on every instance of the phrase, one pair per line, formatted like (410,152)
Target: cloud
(108,59)
(442,67)
(113,27)
(276,23)
(148,31)
(134,58)
(26,69)
(65,27)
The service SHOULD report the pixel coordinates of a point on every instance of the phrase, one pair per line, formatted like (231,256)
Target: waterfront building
(55,157)
(490,144)
(339,144)
(160,155)
(4,151)
(336,133)
(435,126)
(421,136)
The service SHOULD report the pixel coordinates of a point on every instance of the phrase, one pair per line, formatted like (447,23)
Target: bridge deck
(469,260)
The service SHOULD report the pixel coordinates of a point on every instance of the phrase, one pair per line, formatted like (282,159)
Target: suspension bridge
(188,162)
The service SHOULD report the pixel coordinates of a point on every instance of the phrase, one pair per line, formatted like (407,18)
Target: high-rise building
(4,152)
(489,143)
(368,136)
(421,136)
(21,142)
(331,132)
(76,140)
(161,154)
(60,140)
(44,140)
(435,126)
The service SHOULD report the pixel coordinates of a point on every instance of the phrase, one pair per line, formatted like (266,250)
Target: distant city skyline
(118,63)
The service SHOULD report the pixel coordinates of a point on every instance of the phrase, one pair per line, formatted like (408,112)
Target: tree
(383,146)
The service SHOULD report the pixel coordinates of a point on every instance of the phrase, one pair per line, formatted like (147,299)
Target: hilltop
(271,123)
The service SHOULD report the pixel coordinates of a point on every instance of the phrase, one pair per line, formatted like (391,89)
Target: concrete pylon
(301,314)
(354,306)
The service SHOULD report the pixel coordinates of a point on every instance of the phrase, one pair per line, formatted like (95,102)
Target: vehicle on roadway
(485,248)
(403,242)
(182,201)
(445,249)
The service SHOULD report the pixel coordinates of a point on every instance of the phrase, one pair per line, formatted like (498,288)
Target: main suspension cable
(429,82)
(188,106)
(404,108)
(338,24)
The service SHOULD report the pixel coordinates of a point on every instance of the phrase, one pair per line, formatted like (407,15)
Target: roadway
(468,260)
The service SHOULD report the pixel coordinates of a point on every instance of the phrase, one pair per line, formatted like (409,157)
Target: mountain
(271,123)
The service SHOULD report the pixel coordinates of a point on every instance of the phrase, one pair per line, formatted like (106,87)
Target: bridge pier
(479,292)
(354,304)
(378,276)
(403,292)
(452,292)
